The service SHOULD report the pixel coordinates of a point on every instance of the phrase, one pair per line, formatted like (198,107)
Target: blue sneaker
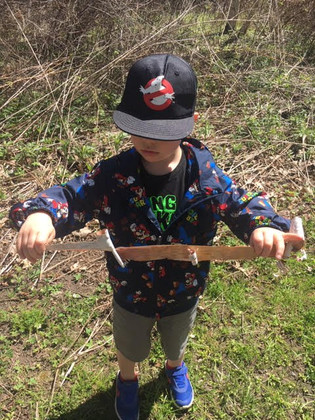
(181,390)
(126,400)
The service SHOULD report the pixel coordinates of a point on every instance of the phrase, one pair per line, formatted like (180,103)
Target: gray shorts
(132,333)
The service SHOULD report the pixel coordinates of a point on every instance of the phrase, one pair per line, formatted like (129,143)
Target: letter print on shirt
(163,208)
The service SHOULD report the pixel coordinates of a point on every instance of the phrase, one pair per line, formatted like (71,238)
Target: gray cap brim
(176,129)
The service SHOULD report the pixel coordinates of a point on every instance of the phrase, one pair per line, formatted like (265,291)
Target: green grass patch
(251,352)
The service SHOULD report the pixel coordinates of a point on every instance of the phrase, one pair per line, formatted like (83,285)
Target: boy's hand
(35,234)
(266,241)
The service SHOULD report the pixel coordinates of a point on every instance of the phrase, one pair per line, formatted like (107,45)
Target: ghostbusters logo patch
(158,93)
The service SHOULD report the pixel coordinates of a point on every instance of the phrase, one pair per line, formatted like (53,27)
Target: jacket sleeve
(70,205)
(244,211)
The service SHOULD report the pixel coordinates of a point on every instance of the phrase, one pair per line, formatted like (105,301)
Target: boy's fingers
(27,247)
(51,236)
(23,247)
(35,234)
(257,241)
(30,250)
(268,243)
(279,246)
(40,242)
(20,252)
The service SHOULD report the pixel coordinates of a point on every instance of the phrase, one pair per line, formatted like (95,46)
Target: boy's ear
(196,116)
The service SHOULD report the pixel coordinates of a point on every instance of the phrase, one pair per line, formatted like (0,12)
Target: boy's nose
(149,144)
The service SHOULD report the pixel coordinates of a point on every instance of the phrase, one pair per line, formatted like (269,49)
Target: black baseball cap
(159,98)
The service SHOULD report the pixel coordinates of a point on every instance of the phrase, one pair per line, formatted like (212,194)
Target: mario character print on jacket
(139,200)
(141,233)
(124,181)
(136,298)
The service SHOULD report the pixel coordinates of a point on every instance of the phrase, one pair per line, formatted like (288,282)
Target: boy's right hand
(35,234)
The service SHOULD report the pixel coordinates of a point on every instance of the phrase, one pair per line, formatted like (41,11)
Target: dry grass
(61,78)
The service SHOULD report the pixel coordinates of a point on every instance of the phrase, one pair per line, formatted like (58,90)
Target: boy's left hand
(266,241)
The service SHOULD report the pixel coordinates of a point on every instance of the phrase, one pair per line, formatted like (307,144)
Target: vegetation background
(63,66)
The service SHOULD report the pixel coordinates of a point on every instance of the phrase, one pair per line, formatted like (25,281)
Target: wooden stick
(180,252)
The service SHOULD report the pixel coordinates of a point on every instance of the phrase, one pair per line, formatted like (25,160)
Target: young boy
(166,189)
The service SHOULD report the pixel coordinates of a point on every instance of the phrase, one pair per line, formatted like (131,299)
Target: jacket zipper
(185,211)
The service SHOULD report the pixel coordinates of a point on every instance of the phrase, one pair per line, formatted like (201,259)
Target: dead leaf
(82,233)
(3,222)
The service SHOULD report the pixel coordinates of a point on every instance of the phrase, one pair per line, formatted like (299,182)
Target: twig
(83,328)
(74,269)
(268,166)
(41,67)
(8,266)
(80,354)
(81,331)
(233,364)
(50,260)
(6,390)
(36,411)
(136,47)
(39,278)
(17,186)
(250,157)
(96,346)
(67,373)
(8,252)
(296,65)
(76,255)
(79,351)
(6,233)
(10,300)
(52,393)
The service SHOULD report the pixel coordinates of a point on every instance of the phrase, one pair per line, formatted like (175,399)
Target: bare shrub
(61,58)
(299,17)
(54,52)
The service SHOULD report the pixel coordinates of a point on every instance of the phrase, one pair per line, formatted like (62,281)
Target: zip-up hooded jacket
(114,194)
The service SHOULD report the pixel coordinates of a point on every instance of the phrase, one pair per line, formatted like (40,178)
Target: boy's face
(154,151)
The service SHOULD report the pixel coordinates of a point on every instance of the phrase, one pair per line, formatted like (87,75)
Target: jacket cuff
(20,211)
(276,222)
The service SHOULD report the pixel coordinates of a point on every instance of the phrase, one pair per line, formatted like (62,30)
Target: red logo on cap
(158,93)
